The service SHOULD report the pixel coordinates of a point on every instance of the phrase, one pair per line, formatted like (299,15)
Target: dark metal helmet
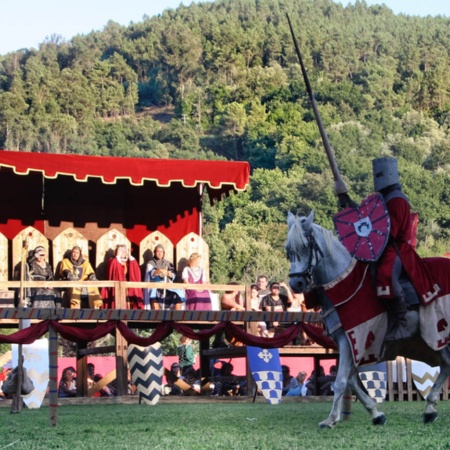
(385,172)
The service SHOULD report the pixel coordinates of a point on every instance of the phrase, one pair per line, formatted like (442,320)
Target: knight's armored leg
(396,327)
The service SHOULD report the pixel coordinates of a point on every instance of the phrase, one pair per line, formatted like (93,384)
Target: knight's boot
(397,326)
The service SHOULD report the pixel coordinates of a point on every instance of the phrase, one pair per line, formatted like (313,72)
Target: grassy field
(221,425)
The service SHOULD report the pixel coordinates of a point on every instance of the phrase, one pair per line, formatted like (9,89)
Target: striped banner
(158,316)
(146,367)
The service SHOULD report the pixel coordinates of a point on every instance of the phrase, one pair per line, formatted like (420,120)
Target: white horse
(318,259)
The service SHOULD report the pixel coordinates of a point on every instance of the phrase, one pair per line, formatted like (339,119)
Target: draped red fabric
(74,334)
(316,334)
(27,335)
(164,329)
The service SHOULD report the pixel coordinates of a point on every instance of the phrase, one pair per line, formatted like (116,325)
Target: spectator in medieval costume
(399,253)
(77,268)
(193,273)
(123,267)
(38,269)
(160,270)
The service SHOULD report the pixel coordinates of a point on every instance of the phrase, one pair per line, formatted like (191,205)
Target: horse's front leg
(345,369)
(430,414)
(378,417)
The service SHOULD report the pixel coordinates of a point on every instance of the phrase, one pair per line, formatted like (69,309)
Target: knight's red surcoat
(399,244)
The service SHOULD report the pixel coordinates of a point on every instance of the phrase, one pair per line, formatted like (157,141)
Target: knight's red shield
(364,231)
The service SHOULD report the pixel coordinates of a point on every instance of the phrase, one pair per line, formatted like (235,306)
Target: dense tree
(221,79)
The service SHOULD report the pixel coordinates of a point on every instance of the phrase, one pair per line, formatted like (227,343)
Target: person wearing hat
(38,269)
(275,301)
(399,252)
(77,268)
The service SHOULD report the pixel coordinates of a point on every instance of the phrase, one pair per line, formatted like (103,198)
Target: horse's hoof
(380,420)
(429,417)
(327,425)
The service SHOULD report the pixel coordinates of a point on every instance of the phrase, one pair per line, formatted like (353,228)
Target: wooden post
(250,327)
(53,377)
(17,403)
(346,405)
(121,343)
(82,371)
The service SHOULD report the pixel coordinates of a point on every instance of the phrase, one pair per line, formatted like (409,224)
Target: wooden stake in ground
(17,403)
(53,377)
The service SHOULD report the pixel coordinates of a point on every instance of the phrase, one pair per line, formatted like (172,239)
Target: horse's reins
(314,251)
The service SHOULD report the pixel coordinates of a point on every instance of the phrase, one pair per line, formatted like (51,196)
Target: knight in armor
(389,265)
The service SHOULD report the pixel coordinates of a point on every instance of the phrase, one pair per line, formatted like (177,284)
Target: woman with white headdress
(38,269)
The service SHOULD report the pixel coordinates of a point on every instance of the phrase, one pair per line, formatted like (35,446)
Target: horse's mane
(298,238)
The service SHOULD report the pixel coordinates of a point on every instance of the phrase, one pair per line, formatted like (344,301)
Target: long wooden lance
(339,185)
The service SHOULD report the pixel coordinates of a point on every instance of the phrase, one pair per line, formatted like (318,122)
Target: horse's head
(302,251)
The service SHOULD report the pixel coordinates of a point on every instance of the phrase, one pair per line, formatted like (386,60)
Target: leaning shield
(265,366)
(364,231)
(424,377)
(374,379)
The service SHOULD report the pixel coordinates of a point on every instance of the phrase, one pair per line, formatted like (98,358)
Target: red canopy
(93,193)
(190,173)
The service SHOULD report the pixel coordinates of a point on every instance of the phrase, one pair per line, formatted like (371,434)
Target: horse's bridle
(314,251)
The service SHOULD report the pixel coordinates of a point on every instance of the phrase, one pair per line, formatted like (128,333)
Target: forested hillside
(221,80)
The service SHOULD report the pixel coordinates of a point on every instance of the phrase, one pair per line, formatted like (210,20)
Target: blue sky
(27,23)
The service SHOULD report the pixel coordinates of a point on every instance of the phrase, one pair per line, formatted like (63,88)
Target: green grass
(221,425)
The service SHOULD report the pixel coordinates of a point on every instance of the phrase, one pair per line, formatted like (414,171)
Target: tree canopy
(221,80)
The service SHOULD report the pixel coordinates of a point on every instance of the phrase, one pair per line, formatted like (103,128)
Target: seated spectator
(289,382)
(193,273)
(107,391)
(227,384)
(276,302)
(123,267)
(232,300)
(172,388)
(77,268)
(192,377)
(326,382)
(311,382)
(300,390)
(67,385)
(4,372)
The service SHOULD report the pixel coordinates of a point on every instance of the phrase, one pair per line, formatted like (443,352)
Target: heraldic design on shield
(364,231)
(265,366)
